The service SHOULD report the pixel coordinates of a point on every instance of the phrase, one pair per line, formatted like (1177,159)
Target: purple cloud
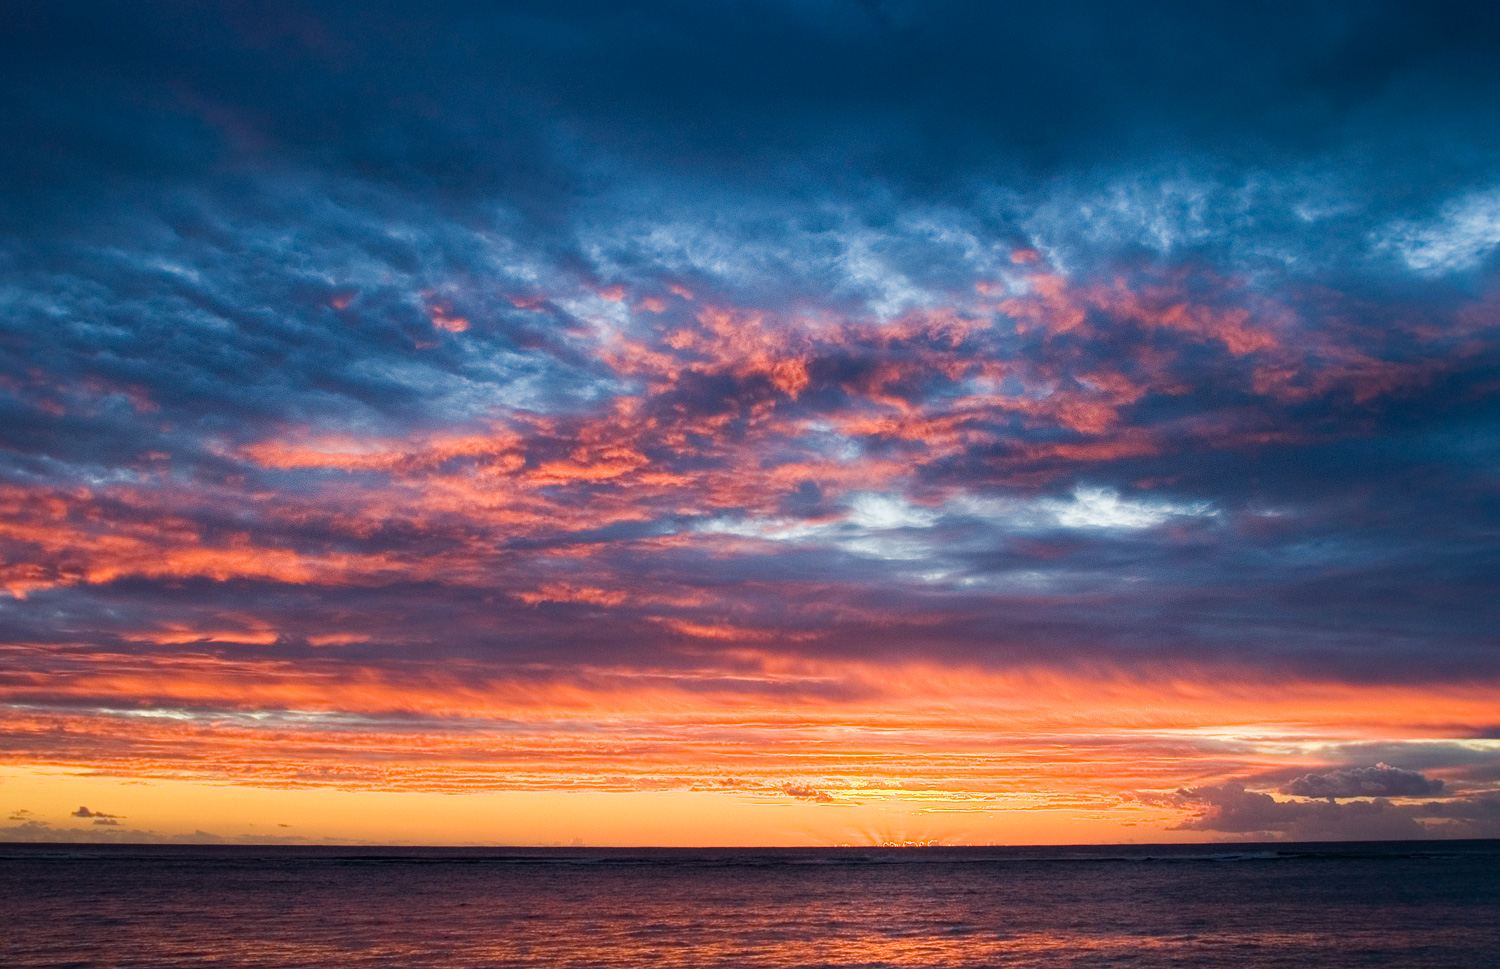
(1382,780)
(84,812)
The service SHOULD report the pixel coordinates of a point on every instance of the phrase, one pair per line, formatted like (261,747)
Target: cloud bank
(610,375)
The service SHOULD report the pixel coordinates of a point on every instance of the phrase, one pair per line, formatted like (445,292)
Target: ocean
(1420,904)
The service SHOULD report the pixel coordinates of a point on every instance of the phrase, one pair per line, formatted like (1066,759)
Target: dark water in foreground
(1326,906)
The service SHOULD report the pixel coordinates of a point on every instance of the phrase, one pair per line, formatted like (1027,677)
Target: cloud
(344,383)
(1104,508)
(33,831)
(84,812)
(1231,809)
(1465,231)
(112,832)
(803,792)
(1382,780)
(1482,811)
(615,81)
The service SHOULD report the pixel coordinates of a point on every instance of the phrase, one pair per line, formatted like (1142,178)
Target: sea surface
(1320,906)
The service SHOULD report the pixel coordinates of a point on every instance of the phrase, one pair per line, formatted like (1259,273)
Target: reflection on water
(1427,905)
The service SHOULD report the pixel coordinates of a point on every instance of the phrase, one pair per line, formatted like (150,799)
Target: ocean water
(1320,906)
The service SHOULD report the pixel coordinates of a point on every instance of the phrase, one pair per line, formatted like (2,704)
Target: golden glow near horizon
(908,754)
(175,810)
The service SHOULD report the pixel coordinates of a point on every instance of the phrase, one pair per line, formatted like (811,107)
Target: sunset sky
(773,422)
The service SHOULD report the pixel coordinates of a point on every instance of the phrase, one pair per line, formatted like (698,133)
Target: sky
(734,422)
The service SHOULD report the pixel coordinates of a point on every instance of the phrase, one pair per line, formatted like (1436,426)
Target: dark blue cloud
(537,101)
